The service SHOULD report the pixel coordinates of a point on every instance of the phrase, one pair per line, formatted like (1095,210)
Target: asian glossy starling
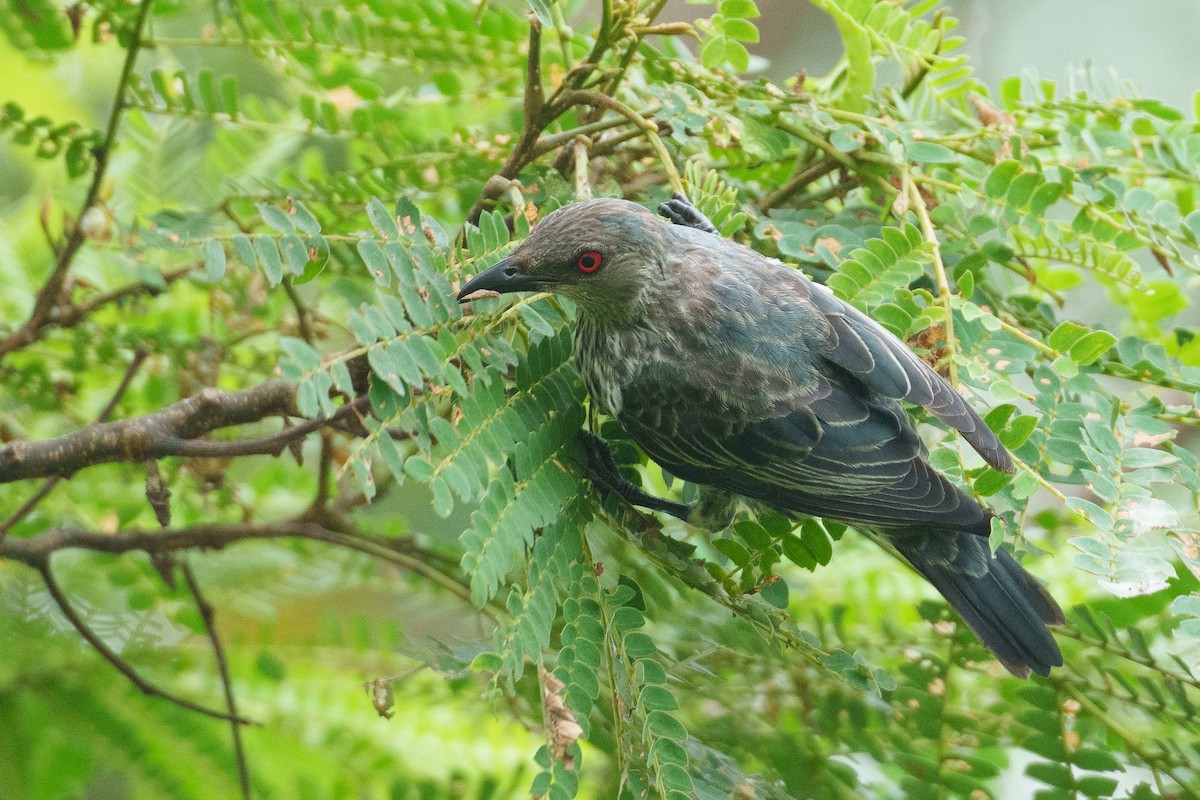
(739,374)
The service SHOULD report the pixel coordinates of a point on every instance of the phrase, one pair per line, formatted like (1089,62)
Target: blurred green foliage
(295,190)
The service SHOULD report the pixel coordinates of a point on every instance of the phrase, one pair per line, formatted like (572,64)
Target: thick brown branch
(169,432)
(138,358)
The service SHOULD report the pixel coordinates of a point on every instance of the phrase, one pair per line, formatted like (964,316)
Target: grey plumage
(737,373)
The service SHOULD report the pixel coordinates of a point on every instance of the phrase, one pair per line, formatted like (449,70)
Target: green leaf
(214,259)
(638,645)
(418,467)
(737,55)
(929,153)
(739,9)
(996,184)
(1022,187)
(243,248)
(1091,346)
(276,218)
(754,534)
(713,51)
(776,593)
(486,662)
(373,256)
(1018,431)
(230,95)
(733,550)
(268,258)
(382,220)
(295,254)
(1065,335)
(816,540)
(741,30)
(303,219)
(408,217)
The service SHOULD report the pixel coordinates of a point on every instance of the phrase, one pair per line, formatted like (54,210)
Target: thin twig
(271,444)
(207,615)
(798,181)
(324,471)
(147,688)
(70,315)
(648,127)
(1131,740)
(306,332)
(929,234)
(49,296)
(138,358)
(538,114)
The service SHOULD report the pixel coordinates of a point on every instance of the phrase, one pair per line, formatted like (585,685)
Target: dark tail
(1003,604)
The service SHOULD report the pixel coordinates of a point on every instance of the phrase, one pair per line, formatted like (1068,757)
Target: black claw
(681,212)
(603,472)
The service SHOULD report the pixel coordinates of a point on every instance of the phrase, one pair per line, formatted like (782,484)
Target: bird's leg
(681,211)
(602,470)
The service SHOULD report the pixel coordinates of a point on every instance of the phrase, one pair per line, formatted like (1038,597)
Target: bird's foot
(603,472)
(681,211)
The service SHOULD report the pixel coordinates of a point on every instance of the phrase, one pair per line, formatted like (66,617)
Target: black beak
(503,276)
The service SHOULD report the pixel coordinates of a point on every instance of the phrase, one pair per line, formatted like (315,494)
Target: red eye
(589,262)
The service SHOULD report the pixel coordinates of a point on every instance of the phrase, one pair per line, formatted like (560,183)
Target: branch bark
(36,551)
(138,358)
(173,431)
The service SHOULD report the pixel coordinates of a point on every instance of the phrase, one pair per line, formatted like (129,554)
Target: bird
(737,373)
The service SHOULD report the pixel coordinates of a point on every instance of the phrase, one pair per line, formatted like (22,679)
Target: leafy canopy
(293,192)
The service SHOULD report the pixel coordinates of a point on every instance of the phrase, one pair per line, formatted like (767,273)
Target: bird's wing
(837,452)
(855,342)
(886,365)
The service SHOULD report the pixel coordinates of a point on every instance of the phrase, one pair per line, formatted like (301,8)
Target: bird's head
(601,253)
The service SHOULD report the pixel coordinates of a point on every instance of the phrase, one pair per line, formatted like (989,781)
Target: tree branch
(42,565)
(48,297)
(138,358)
(170,432)
(208,616)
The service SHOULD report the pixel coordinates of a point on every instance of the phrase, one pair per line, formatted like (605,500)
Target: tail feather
(999,600)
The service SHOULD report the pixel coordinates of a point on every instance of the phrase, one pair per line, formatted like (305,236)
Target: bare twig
(42,565)
(537,116)
(49,296)
(138,358)
(301,311)
(207,615)
(648,127)
(798,181)
(70,315)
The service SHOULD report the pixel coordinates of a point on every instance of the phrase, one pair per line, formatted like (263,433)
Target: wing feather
(886,365)
(840,455)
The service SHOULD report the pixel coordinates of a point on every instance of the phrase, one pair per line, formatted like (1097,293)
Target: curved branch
(170,432)
(147,688)
(317,526)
